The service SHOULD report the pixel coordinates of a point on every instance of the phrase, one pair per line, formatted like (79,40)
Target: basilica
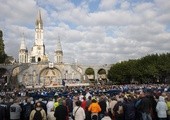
(34,69)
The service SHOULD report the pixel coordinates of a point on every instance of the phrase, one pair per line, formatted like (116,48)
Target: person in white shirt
(78,111)
(112,103)
(161,108)
(15,110)
(50,109)
(87,94)
(106,117)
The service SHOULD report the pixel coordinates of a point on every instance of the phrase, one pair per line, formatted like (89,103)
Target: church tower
(58,57)
(23,52)
(38,50)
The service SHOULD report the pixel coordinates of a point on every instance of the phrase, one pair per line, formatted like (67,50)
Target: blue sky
(91,31)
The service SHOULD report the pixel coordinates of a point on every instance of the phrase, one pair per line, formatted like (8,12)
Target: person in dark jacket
(69,104)
(144,108)
(154,103)
(43,105)
(119,110)
(61,111)
(2,111)
(129,108)
(7,111)
(27,108)
(103,105)
(88,113)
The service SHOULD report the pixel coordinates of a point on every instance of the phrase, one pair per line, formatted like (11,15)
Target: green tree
(147,69)
(3,56)
(115,73)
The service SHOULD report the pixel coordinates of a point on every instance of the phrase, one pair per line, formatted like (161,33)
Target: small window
(33,59)
(39,59)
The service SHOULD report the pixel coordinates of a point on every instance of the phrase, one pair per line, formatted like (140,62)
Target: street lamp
(66,74)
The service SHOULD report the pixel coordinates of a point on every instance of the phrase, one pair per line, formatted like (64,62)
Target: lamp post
(64,81)
(66,74)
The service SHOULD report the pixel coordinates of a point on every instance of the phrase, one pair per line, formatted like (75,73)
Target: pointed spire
(23,46)
(59,48)
(39,23)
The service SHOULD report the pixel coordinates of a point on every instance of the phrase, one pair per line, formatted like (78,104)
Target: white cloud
(16,12)
(125,5)
(162,5)
(106,4)
(118,30)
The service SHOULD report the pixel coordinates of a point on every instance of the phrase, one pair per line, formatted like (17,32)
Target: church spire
(39,30)
(39,23)
(38,50)
(23,52)
(58,57)
(23,46)
(59,48)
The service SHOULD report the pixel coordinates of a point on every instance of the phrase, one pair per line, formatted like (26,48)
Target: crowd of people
(107,102)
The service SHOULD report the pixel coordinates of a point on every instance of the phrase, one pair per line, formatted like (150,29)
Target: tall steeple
(58,48)
(39,30)
(38,50)
(23,52)
(23,46)
(39,22)
(58,52)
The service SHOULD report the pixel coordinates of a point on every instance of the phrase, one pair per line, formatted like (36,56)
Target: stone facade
(35,70)
(51,74)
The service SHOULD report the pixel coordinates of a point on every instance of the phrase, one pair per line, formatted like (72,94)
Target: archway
(90,74)
(50,76)
(14,81)
(102,76)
